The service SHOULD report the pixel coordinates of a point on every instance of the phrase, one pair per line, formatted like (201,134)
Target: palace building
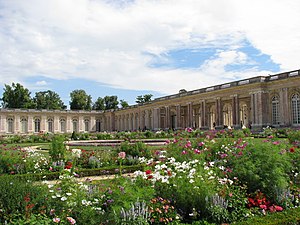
(257,102)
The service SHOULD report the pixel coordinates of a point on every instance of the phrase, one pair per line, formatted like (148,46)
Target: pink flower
(71,220)
(276,143)
(197,151)
(184,152)
(122,155)
(56,220)
(278,208)
(200,143)
(263,207)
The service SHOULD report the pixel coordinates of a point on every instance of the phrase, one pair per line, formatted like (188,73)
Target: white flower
(76,153)
(63,198)
(69,194)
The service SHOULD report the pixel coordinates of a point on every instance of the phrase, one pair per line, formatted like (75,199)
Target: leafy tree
(16,96)
(99,104)
(80,100)
(48,100)
(143,98)
(124,103)
(111,102)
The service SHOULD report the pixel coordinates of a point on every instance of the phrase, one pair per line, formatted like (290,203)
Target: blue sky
(129,48)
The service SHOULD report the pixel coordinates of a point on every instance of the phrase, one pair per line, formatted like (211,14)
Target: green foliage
(19,196)
(80,100)
(48,100)
(262,166)
(143,98)
(287,217)
(124,193)
(123,103)
(33,219)
(16,96)
(58,150)
(111,102)
(139,149)
(294,137)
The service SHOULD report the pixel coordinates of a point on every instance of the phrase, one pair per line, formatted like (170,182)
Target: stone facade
(255,102)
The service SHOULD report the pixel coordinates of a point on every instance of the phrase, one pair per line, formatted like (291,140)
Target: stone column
(56,123)
(284,109)
(17,124)
(190,114)
(30,124)
(3,123)
(156,119)
(219,114)
(43,123)
(260,109)
(204,115)
(93,124)
(235,111)
(167,117)
(178,117)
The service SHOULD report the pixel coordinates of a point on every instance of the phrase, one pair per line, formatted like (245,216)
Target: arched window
(24,125)
(275,110)
(37,125)
(75,125)
(62,125)
(10,125)
(86,125)
(296,108)
(50,125)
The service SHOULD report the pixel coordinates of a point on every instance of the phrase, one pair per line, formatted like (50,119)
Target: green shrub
(57,151)
(262,166)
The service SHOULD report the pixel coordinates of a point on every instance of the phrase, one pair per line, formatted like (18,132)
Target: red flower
(68,166)
(292,149)
(148,172)
(278,208)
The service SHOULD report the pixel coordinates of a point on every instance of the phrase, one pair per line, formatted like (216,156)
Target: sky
(135,47)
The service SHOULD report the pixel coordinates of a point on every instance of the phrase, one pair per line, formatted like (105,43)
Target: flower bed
(201,179)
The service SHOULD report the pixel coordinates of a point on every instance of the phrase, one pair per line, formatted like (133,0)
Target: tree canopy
(99,104)
(143,98)
(48,100)
(80,100)
(111,102)
(124,103)
(16,96)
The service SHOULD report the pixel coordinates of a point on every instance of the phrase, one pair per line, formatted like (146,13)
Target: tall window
(37,125)
(62,125)
(50,125)
(296,109)
(275,110)
(86,125)
(24,125)
(10,125)
(98,125)
(75,125)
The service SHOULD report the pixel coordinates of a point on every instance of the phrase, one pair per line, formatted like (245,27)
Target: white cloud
(41,83)
(64,39)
